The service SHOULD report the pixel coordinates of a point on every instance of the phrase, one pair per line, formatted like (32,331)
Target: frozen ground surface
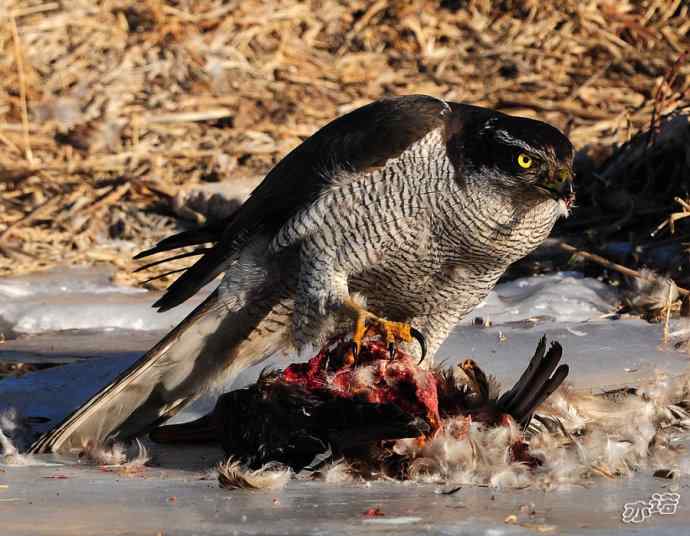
(95,329)
(176,502)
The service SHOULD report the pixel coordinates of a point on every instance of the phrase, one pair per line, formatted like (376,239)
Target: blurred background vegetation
(123,120)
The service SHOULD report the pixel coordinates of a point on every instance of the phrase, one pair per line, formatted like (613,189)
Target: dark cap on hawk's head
(514,152)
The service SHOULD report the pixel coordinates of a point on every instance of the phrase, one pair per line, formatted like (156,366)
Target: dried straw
(109,109)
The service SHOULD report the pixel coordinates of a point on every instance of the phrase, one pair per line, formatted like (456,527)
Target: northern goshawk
(412,203)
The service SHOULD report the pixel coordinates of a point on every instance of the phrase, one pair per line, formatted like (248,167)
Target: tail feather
(213,340)
(541,378)
(208,233)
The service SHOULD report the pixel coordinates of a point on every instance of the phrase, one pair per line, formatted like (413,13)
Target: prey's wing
(362,139)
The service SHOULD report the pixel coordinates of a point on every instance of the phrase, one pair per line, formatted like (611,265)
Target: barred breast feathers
(398,189)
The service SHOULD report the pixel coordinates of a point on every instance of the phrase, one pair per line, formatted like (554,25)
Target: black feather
(202,272)
(525,380)
(161,276)
(195,253)
(548,364)
(208,233)
(536,383)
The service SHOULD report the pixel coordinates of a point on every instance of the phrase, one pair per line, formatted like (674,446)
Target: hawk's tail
(213,340)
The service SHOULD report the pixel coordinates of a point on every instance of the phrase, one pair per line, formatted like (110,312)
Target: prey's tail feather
(541,378)
(213,340)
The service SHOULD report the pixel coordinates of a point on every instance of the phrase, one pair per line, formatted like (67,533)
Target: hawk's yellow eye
(524,161)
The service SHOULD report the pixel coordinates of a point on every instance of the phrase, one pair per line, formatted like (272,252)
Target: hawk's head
(516,154)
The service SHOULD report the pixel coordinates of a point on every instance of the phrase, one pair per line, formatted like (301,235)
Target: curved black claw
(421,340)
(392,350)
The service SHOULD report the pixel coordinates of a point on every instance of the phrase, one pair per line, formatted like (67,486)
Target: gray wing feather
(362,139)
(212,341)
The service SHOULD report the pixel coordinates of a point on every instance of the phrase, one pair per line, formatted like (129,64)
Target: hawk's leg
(323,289)
(392,332)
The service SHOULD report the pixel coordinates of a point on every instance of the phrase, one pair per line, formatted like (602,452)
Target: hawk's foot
(391,332)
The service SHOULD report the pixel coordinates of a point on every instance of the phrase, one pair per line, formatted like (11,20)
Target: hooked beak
(560,186)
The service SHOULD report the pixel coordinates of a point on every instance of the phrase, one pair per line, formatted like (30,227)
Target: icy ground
(94,329)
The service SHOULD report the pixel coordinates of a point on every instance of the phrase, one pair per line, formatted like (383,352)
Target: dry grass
(108,109)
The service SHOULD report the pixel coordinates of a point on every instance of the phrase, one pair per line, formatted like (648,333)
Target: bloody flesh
(396,381)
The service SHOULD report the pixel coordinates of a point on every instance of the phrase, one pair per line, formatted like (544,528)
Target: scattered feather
(231,475)
(115,455)
(337,473)
(575,437)
(650,293)
(10,433)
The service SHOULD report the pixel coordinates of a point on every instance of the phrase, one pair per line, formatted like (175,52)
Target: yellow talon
(360,330)
(395,331)
(365,322)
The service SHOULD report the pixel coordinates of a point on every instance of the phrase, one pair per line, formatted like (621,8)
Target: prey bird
(398,217)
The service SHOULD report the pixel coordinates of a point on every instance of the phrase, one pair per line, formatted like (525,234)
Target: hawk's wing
(217,339)
(364,138)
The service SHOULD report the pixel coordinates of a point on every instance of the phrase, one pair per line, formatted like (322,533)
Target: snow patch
(561,297)
(79,298)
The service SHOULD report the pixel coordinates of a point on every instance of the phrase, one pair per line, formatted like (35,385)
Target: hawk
(398,217)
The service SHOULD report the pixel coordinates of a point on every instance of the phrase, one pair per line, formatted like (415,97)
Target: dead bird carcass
(328,409)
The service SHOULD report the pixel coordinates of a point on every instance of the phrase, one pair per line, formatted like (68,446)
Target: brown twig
(673,218)
(22,89)
(34,10)
(186,117)
(667,315)
(40,209)
(611,265)
(668,80)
